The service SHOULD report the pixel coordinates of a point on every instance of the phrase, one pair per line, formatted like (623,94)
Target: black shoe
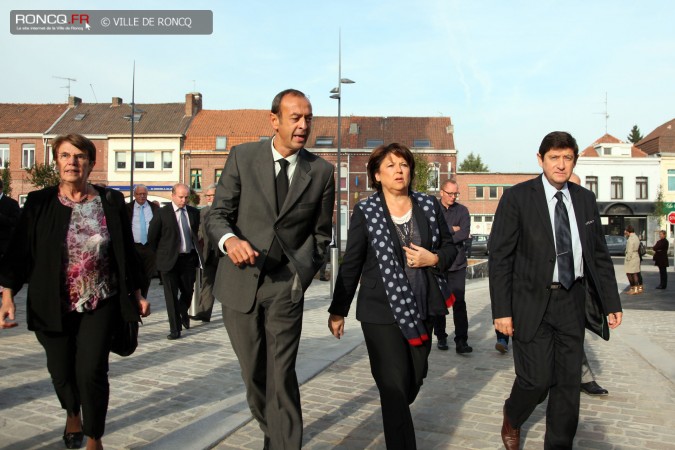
(442,344)
(592,388)
(462,347)
(660,287)
(323,278)
(185,320)
(173,335)
(200,318)
(73,440)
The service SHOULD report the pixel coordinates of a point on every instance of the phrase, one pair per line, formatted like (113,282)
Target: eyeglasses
(80,157)
(451,194)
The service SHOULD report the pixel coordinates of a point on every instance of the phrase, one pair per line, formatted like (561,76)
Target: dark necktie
(282,184)
(186,230)
(276,256)
(563,243)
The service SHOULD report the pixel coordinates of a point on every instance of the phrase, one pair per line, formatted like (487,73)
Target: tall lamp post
(337,94)
(132,118)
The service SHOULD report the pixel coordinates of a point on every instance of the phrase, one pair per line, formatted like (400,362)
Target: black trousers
(457,282)
(398,369)
(663,275)
(147,257)
(550,364)
(179,285)
(77,360)
(266,341)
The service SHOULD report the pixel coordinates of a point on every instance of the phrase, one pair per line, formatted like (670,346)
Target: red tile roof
(238,125)
(248,125)
(661,140)
(103,118)
(609,139)
(29,118)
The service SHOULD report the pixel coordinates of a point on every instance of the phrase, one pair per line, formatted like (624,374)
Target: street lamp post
(132,118)
(337,94)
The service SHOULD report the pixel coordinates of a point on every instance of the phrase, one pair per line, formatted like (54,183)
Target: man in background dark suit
(272,215)
(141,212)
(210,254)
(550,273)
(9,216)
(173,238)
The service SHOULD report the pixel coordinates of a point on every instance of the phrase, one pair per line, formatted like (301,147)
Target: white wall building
(625,181)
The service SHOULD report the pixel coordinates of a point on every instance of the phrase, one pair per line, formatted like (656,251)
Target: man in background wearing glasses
(459,222)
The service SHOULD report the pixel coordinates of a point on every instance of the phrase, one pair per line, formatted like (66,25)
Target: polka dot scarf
(399,293)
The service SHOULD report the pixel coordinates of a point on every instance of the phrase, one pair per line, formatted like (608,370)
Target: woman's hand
(420,257)
(7,309)
(336,325)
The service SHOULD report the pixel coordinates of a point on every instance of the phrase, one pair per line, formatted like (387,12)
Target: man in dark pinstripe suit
(550,275)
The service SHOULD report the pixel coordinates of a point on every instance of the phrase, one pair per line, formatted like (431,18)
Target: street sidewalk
(188,393)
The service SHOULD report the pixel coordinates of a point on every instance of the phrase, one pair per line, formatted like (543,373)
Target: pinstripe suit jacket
(522,259)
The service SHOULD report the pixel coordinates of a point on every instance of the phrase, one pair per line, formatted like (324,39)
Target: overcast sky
(506,72)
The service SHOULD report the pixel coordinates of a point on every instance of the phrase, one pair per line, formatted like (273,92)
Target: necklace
(405,231)
(84,198)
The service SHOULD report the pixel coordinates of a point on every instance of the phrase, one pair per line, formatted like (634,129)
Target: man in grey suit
(550,274)
(272,216)
(204,308)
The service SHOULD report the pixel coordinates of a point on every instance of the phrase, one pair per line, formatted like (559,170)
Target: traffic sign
(671,217)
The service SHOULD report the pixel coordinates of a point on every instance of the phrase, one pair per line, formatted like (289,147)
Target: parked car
(616,244)
(478,246)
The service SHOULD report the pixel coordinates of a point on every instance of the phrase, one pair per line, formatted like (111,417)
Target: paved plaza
(188,394)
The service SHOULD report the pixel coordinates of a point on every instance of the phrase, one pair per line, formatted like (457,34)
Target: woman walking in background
(631,264)
(661,259)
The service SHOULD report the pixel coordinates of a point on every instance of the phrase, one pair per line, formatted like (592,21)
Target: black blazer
(661,253)
(164,235)
(35,254)
(522,259)
(360,263)
(9,216)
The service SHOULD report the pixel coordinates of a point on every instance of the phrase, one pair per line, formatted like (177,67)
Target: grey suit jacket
(245,204)
(522,259)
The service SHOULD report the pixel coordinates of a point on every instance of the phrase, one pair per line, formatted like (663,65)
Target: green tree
(472,163)
(6,177)
(660,207)
(43,175)
(421,181)
(635,135)
(194,198)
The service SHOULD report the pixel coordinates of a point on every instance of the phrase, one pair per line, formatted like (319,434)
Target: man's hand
(240,251)
(336,325)
(7,309)
(614,319)
(455,228)
(505,325)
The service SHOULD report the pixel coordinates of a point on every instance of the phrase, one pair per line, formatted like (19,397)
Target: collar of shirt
(1,195)
(292,162)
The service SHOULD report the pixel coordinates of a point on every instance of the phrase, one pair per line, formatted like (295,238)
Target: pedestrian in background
(631,263)
(661,259)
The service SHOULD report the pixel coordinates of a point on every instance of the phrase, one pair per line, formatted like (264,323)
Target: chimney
(74,102)
(193,103)
(116,101)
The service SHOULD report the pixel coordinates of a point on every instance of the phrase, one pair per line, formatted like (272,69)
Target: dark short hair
(276,103)
(558,140)
(630,228)
(76,140)
(378,156)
